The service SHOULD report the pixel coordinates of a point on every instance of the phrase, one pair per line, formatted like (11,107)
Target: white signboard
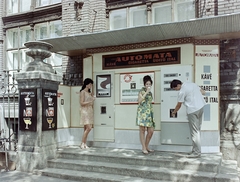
(131,84)
(207,77)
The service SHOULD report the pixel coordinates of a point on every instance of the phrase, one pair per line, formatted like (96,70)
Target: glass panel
(56,60)
(25,5)
(40,31)
(12,38)
(185,10)
(24,59)
(55,1)
(118,19)
(58,70)
(25,35)
(162,12)
(12,60)
(42,2)
(12,6)
(55,29)
(138,16)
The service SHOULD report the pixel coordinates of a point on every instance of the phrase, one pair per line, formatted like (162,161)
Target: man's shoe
(194,155)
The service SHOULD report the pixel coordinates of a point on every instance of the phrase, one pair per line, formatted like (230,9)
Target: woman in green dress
(145,119)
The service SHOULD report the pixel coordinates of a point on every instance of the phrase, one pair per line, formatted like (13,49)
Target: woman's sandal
(150,150)
(144,151)
(82,146)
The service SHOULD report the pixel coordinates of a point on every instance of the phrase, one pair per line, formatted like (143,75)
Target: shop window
(17,6)
(162,12)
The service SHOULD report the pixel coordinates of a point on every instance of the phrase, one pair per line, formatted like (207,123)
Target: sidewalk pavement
(17,176)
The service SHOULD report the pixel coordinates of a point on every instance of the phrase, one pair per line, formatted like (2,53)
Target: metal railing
(8,113)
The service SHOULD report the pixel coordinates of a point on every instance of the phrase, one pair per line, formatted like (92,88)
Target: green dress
(145,111)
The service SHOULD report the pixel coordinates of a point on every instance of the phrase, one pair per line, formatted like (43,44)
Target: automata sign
(138,59)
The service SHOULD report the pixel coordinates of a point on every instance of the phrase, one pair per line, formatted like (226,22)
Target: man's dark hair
(174,83)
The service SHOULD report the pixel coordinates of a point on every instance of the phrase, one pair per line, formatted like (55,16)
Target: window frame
(154,5)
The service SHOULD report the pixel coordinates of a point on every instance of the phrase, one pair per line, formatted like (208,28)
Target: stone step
(146,172)
(178,161)
(84,176)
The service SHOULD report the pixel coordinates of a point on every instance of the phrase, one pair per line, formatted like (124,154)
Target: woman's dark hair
(146,79)
(86,82)
(174,83)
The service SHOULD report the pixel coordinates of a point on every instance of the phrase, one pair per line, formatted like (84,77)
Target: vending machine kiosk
(174,130)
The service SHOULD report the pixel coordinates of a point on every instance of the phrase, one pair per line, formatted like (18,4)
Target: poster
(131,84)
(49,103)
(28,109)
(103,88)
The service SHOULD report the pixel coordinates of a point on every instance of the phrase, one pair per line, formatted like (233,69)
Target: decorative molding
(78,4)
(107,13)
(149,6)
(160,43)
(207,42)
(39,15)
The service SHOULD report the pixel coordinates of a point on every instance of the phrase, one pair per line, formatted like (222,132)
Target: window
(118,19)
(12,57)
(184,10)
(47,2)
(25,35)
(48,30)
(17,6)
(16,51)
(55,29)
(138,16)
(12,38)
(40,31)
(162,12)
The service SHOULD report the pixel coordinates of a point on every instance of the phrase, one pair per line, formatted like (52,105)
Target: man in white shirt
(191,95)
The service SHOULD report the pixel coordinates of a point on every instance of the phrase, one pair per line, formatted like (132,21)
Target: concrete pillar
(38,85)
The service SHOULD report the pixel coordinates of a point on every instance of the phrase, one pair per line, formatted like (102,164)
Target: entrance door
(104,107)
(174,131)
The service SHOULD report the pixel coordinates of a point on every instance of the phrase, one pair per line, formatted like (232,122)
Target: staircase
(115,165)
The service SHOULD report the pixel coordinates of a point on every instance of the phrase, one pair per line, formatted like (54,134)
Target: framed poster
(49,104)
(28,109)
(131,84)
(103,85)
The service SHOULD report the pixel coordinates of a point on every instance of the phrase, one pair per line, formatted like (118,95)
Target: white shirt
(191,97)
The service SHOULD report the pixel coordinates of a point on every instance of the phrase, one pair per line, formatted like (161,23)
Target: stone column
(35,147)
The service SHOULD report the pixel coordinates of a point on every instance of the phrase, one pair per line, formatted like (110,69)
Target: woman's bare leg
(142,137)
(87,129)
(149,136)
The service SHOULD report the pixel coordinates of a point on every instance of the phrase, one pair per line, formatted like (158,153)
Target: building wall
(1,37)
(217,7)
